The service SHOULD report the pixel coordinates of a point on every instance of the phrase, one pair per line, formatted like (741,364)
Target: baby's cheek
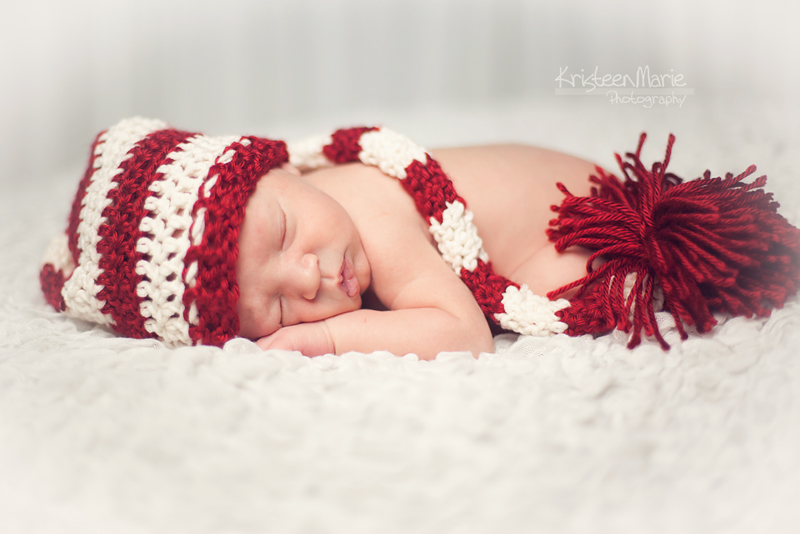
(250,323)
(246,328)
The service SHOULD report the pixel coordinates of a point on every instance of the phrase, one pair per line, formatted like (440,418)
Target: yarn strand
(711,244)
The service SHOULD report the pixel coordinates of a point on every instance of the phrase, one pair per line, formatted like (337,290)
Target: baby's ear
(288,167)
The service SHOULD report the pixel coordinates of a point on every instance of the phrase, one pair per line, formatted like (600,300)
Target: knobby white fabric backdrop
(102,434)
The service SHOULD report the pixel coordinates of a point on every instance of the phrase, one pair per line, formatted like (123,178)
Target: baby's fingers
(270,342)
(312,339)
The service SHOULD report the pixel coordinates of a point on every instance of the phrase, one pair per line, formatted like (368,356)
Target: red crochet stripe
(216,291)
(119,234)
(487,288)
(712,243)
(52,281)
(344,147)
(430,188)
(77,203)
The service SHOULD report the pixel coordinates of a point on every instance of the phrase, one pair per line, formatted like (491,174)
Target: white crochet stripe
(457,238)
(391,152)
(530,314)
(307,153)
(81,289)
(59,256)
(166,234)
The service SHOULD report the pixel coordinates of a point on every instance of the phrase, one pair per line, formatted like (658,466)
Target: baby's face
(300,256)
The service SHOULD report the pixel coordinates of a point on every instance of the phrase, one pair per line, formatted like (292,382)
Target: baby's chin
(350,305)
(354,304)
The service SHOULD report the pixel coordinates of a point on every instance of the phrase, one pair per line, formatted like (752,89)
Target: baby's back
(510,189)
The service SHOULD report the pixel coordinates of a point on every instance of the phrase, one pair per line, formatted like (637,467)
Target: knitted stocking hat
(152,240)
(151,246)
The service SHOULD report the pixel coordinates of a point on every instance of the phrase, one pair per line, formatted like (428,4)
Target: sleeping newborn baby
(339,259)
(362,241)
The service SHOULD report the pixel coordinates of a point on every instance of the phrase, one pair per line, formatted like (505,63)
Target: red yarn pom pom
(710,243)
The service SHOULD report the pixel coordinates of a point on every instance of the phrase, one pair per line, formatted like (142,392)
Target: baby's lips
(349,281)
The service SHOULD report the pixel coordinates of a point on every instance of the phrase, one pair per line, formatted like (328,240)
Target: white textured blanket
(102,434)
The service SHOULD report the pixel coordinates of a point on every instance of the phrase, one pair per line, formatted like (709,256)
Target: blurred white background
(70,69)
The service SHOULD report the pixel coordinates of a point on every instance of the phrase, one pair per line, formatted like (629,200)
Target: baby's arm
(425,332)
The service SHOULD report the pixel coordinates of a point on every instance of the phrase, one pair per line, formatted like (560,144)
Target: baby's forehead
(257,207)
(265,187)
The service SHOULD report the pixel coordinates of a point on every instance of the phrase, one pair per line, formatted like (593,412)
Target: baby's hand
(312,339)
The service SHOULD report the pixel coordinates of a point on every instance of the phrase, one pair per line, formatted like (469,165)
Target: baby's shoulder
(395,237)
(509,164)
(368,195)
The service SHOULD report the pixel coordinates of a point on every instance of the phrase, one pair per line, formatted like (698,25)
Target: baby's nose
(307,278)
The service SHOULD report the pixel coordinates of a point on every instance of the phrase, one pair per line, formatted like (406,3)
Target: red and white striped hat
(152,240)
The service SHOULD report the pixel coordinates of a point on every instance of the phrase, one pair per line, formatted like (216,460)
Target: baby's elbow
(486,344)
(463,334)
(479,337)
